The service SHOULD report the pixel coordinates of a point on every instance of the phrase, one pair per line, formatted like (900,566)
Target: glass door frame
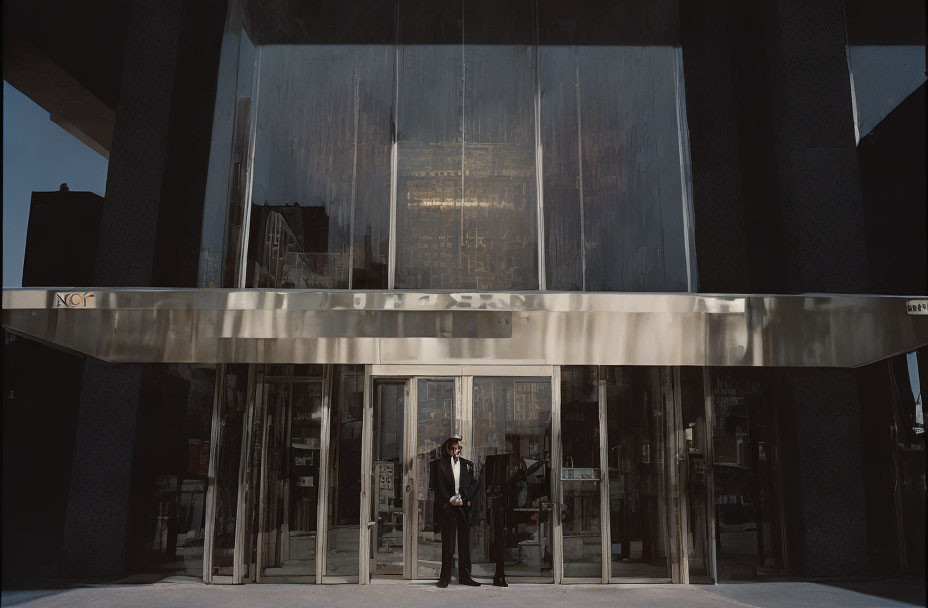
(261,385)
(462,426)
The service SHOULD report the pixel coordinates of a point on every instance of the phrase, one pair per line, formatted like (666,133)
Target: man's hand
(457,501)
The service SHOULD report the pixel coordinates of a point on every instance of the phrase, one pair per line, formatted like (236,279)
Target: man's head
(453,446)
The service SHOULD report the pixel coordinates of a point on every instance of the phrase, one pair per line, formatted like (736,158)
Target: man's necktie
(455,460)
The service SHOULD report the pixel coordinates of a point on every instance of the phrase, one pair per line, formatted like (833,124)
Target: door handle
(409,487)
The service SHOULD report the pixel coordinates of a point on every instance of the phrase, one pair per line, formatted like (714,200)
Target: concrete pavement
(883,594)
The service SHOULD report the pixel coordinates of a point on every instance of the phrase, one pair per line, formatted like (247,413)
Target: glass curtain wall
(613,192)
(455,124)
(466,205)
(319,157)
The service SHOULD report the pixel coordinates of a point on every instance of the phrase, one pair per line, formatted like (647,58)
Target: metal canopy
(281,326)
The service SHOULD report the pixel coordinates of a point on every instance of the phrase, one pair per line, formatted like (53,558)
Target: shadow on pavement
(911,591)
(14,597)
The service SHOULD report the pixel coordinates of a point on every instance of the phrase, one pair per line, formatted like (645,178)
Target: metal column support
(410,487)
(711,558)
(604,518)
(322,513)
(243,494)
(675,527)
(364,540)
(681,496)
(215,438)
(262,501)
(557,542)
(464,414)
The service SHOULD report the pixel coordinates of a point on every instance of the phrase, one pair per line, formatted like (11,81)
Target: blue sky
(38,155)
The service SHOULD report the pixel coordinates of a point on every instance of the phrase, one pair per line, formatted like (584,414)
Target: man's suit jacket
(442,483)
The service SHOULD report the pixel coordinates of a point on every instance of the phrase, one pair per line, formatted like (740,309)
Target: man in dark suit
(455,487)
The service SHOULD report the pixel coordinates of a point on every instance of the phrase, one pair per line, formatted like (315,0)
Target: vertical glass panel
(560,134)
(303,165)
(580,472)
(294,416)
(637,500)
(512,450)
(746,494)
(237,176)
(370,222)
(387,554)
(434,425)
(344,490)
(499,249)
(232,417)
(252,478)
(633,219)
(323,100)
(698,500)
(612,167)
(429,213)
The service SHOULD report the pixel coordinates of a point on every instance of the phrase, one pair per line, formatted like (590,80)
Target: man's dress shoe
(500,582)
(470,583)
(442,584)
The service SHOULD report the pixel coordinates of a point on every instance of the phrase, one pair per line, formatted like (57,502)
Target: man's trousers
(454,520)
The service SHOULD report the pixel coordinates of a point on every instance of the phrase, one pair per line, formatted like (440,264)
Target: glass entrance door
(388,513)
(405,536)
(513,451)
(290,479)
(435,399)
(506,427)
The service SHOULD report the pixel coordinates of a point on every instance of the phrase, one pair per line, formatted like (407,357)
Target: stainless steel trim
(322,512)
(410,500)
(678,469)
(215,437)
(364,537)
(400,371)
(464,414)
(712,565)
(605,525)
(241,504)
(263,326)
(330,579)
(262,496)
(442,371)
(557,542)
(670,478)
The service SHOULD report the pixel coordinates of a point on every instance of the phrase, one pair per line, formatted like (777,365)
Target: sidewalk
(890,594)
